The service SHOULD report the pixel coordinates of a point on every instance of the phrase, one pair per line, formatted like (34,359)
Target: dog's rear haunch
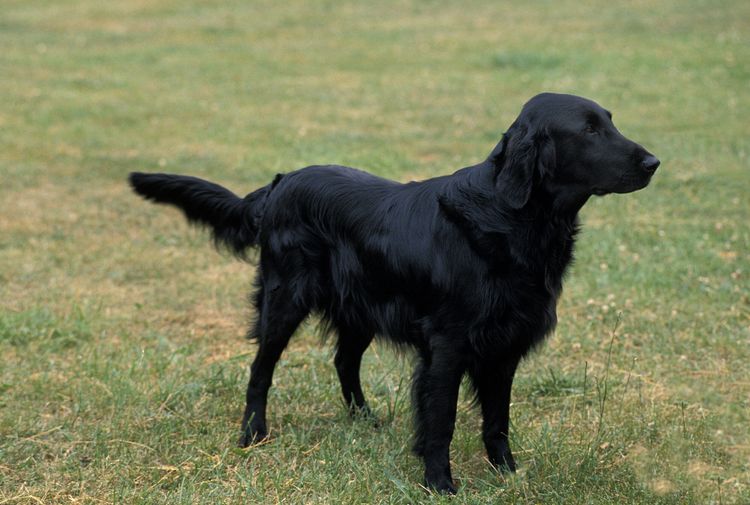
(465,268)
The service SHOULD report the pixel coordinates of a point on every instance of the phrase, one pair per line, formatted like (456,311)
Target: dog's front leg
(493,384)
(437,395)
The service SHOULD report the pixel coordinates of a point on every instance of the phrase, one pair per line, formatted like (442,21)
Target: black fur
(465,268)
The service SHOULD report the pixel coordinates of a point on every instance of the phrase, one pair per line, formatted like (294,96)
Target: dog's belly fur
(370,296)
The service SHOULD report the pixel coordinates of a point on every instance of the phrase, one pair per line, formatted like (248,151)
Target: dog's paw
(500,456)
(442,486)
(364,413)
(505,462)
(252,435)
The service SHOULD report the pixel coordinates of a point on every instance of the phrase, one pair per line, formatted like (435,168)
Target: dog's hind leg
(278,318)
(349,349)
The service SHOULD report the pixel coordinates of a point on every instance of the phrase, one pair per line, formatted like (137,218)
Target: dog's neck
(550,248)
(564,199)
(501,233)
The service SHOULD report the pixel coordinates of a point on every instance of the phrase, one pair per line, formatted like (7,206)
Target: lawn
(121,331)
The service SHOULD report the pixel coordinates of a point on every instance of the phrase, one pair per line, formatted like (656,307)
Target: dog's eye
(591,130)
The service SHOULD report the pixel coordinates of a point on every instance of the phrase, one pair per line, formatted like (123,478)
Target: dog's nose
(650,163)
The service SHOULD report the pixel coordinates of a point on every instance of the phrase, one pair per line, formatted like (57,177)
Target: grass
(123,363)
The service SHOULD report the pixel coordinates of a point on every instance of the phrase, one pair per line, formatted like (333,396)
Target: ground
(121,331)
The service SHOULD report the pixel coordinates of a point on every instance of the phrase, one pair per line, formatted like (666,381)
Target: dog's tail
(234,221)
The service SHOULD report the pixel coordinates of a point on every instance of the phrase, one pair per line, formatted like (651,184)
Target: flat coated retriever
(465,268)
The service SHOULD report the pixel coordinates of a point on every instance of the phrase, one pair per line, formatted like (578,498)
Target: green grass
(123,364)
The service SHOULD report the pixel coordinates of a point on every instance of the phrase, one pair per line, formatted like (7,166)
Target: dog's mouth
(633,182)
(635,178)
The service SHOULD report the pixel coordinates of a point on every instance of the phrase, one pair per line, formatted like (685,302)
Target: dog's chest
(535,284)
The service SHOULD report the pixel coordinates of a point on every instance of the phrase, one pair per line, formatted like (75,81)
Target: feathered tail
(234,221)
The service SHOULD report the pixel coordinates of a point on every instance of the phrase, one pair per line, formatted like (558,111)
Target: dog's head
(568,145)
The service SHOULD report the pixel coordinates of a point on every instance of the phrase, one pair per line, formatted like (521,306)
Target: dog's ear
(522,158)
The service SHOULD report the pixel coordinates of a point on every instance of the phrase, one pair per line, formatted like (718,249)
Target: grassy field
(123,364)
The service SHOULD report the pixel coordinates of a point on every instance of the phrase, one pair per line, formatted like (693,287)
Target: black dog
(466,268)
